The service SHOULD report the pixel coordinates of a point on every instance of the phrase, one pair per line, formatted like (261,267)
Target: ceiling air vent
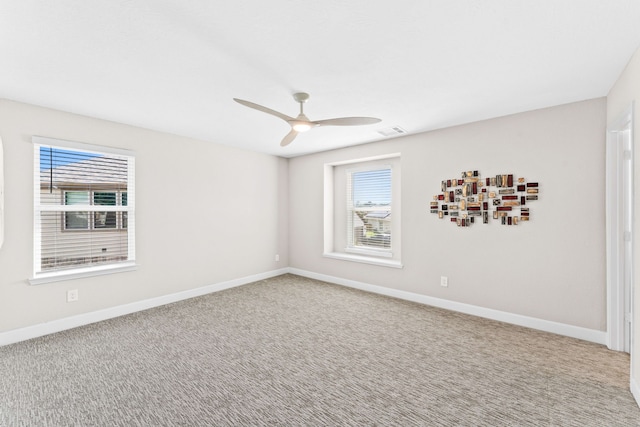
(392,131)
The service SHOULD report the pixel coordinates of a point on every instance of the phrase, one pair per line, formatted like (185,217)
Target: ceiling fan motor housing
(301,97)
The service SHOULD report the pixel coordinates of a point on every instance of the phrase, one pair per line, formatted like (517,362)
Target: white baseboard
(599,337)
(35,331)
(635,390)
(39,330)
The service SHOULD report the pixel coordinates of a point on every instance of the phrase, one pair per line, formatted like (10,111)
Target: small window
(82,209)
(124,214)
(105,219)
(76,220)
(96,220)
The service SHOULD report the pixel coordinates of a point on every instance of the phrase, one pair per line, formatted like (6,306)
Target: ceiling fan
(302,123)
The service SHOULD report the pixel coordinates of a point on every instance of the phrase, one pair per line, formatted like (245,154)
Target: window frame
(84,270)
(334,245)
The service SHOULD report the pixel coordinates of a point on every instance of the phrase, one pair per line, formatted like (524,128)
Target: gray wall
(205,213)
(551,268)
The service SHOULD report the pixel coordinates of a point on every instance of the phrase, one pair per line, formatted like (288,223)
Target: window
(76,220)
(105,219)
(83,210)
(95,220)
(368,209)
(362,211)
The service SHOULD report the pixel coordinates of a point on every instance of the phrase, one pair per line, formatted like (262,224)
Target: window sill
(363,259)
(369,253)
(79,273)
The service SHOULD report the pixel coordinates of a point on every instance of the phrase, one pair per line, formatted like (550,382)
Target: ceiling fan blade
(263,109)
(288,138)
(348,121)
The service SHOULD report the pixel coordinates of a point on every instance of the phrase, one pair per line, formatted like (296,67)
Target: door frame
(619,232)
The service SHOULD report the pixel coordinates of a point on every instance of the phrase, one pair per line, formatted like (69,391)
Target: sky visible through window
(55,157)
(372,188)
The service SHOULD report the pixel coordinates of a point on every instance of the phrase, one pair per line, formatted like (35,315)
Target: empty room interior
(319,213)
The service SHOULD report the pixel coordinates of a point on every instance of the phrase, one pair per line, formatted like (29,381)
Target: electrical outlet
(444,281)
(277,257)
(72,295)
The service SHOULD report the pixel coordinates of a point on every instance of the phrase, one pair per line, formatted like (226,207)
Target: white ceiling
(176,65)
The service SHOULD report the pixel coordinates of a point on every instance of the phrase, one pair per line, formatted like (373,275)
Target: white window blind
(83,207)
(369,211)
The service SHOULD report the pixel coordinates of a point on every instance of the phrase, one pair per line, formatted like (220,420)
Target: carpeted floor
(291,351)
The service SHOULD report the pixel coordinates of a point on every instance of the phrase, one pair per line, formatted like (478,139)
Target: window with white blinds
(83,209)
(362,210)
(369,211)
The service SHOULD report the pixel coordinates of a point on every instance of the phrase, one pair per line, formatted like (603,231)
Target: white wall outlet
(277,257)
(72,295)
(444,281)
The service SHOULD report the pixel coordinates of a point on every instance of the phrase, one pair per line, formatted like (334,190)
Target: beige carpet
(291,351)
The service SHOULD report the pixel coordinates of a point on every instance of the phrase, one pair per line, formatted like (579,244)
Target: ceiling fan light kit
(301,127)
(302,123)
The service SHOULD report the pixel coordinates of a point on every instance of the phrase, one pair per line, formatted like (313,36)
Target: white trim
(591,335)
(59,325)
(79,273)
(81,146)
(616,247)
(363,259)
